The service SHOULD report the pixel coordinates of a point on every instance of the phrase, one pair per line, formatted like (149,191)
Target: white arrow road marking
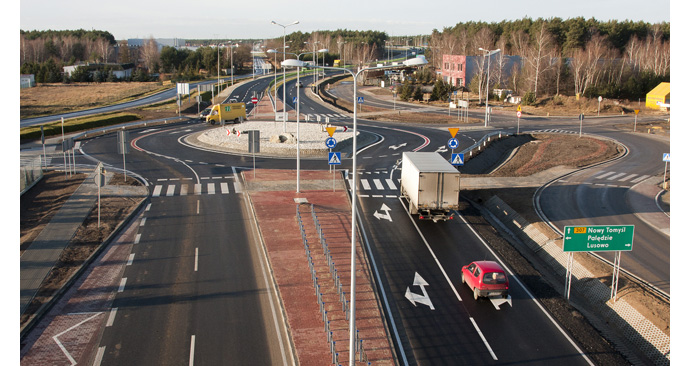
(386,215)
(422,299)
(442,149)
(396,147)
(499,300)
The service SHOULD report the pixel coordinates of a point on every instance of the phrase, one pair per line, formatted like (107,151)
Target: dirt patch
(88,238)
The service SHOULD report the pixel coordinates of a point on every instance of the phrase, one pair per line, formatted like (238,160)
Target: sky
(225,19)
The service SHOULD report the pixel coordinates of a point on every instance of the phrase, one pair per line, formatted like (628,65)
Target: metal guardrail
(482,143)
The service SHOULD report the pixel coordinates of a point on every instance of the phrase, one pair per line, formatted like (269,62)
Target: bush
(529,98)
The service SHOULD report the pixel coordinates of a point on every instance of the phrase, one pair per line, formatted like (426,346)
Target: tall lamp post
(488,70)
(284,110)
(417,61)
(232,64)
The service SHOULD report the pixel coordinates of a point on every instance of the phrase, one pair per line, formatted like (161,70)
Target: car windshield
(494,278)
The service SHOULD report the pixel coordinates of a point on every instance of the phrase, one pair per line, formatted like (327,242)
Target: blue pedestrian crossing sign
(667,157)
(453,143)
(330,143)
(457,159)
(294,99)
(360,100)
(333,158)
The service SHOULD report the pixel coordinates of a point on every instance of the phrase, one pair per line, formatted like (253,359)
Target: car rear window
(494,278)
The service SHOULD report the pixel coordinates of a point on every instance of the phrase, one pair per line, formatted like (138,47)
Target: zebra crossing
(553,130)
(321,117)
(613,179)
(377,187)
(186,187)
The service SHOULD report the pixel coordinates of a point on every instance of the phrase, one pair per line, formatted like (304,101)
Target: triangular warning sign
(335,159)
(330,130)
(453,131)
(457,159)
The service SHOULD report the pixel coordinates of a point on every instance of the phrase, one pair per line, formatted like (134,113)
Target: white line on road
(111,317)
(614,177)
(171,190)
(197,189)
(484,339)
(378,184)
(143,222)
(148,207)
(130,260)
(391,184)
(157,190)
(224,188)
(122,284)
(191,351)
(196,259)
(640,179)
(604,175)
(211,188)
(137,239)
(64,350)
(183,189)
(99,356)
(197,207)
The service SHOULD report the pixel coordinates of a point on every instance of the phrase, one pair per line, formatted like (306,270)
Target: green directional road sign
(599,238)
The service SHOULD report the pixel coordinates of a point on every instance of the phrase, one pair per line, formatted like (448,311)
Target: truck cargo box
(431,185)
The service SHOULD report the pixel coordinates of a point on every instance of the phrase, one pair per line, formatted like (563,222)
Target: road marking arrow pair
(422,299)
(386,215)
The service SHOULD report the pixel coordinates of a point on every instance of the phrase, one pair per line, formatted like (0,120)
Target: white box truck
(430,184)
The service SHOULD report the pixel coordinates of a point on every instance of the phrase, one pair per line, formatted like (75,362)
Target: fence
(29,174)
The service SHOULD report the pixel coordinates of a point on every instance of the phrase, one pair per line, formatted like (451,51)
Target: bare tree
(539,55)
(482,39)
(149,53)
(585,64)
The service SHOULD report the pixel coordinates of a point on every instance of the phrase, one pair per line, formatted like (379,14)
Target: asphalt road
(196,288)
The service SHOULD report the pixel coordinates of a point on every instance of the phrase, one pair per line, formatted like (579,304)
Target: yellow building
(659,97)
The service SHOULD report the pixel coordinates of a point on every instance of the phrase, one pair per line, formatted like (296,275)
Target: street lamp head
(323,50)
(291,62)
(271,51)
(417,61)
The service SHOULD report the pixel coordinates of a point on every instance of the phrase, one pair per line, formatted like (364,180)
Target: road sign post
(667,159)
(635,125)
(123,148)
(597,238)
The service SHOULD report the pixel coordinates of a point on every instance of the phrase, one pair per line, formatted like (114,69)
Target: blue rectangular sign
(334,158)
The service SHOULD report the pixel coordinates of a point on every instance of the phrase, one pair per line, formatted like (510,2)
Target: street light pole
(488,71)
(353,254)
(284,109)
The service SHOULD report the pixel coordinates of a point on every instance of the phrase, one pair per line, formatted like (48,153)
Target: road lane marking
(111,317)
(137,239)
(604,175)
(224,189)
(183,189)
(64,350)
(148,207)
(211,188)
(197,207)
(157,190)
(391,184)
(493,355)
(191,351)
(99,356)
(627,178)
(197,189)
(130,260)
(123,281)
(171,190)
(196,259)
(614,177)
(143,222)
(378,184)
(365,184)
(640,179)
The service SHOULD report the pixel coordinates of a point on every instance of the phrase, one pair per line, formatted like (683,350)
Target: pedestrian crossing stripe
(191,189)
(333,158)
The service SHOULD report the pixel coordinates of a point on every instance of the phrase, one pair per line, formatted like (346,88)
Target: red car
(485,278)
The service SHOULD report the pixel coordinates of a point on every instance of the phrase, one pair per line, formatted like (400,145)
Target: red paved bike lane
(273,194)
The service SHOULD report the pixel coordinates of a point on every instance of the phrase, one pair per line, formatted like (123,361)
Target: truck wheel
(213,122)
